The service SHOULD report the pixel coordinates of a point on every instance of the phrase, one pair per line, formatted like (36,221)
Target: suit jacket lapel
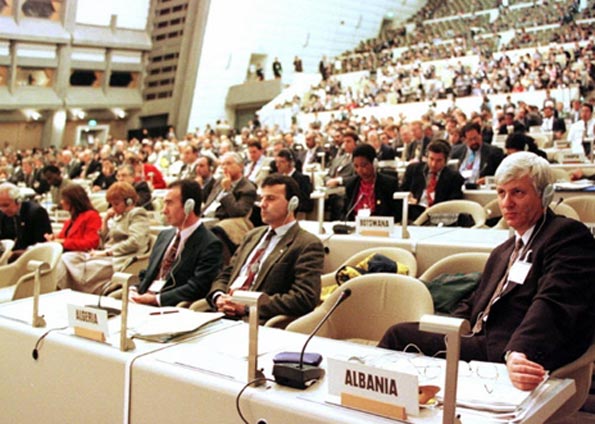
(275,255)
(245,252)
(497,274)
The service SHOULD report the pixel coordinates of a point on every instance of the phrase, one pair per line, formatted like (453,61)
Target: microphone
(111,312)
(560,200)
(347,228)
(300,372)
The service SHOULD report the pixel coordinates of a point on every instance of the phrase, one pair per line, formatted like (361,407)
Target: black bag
(450,219)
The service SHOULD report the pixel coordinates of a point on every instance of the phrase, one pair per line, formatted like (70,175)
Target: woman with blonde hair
(81,231)
(124,234)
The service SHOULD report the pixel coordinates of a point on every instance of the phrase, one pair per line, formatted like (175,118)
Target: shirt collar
(187,232)
(281,230)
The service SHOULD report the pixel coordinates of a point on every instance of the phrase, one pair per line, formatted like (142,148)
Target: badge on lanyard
(520,269)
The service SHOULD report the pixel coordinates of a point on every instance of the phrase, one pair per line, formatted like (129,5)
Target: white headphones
(129,201)
(189,206)
(293,204)
(547,195)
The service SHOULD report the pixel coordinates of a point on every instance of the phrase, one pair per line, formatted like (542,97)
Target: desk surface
(77,380)
(428,244)
(208,373)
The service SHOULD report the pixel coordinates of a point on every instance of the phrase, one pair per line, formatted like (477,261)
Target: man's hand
(224,304)
(523,373)
(226,183)
(146,298)
(577,174)
(333,182)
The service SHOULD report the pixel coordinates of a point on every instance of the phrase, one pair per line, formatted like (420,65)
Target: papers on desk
(578,185)
(167,324)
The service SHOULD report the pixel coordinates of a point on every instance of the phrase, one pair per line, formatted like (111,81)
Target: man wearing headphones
(185,258)
(280,260)
(22,221)
(533,307)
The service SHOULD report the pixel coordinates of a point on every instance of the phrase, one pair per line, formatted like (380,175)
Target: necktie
(471,160)
(254,264)
(431,188)
(170,257)
(499,288)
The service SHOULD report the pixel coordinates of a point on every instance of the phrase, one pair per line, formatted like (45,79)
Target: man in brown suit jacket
(285,265)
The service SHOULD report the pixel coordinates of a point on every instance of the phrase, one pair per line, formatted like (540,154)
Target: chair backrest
(560,174)
(584,207)
(565,210)
(397,254)
(492,209)
(455,206)
(49,252)
(377,301)
(7,246)
(581,370)
(457,263)
(141,261)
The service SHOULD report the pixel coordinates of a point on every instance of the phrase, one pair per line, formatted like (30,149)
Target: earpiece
(129,201)
(293,204)
(189,206)
(547,196)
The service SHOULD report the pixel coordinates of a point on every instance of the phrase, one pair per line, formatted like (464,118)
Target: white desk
(199,381)
(343,246)
(76,380)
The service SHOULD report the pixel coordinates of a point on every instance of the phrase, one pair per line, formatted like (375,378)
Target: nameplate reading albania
(388,386)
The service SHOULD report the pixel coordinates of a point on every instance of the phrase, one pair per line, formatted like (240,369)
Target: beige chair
(583,205)
(377,301)
(397,254)
(16,281)
(7,246)
(100,204)
(459,262)
(581,370)
(560,174)
(134,265)
(455,206)
(565,210)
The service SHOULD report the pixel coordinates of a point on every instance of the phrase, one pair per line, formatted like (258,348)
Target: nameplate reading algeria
(88,322)
(388,386)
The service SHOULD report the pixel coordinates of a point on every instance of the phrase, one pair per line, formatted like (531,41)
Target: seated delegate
(534,315)
(124,234)
(81,231)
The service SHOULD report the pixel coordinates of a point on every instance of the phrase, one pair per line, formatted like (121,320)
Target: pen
(163,313)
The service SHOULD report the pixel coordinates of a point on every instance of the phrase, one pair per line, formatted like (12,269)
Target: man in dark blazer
(551,123)
(432,182)
(285,265)
(532,310)
(187,273)
(476,159)
(369,189)
(233,195)
(286,166)
(22,221)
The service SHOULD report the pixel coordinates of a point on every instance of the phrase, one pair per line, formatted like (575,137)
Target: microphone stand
(300,375)
(37,267)
(126,280)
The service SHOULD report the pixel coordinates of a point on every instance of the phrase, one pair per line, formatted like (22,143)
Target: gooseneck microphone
(111,312)
(345,228)
(300,372)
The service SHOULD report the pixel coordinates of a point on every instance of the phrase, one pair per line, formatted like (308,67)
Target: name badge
(156,286)
(518,272)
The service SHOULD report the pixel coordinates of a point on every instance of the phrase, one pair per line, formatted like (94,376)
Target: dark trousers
(400,335)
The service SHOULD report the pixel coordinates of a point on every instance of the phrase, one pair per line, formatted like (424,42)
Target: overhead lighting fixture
(32,114)
(120,113)
(78,114)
